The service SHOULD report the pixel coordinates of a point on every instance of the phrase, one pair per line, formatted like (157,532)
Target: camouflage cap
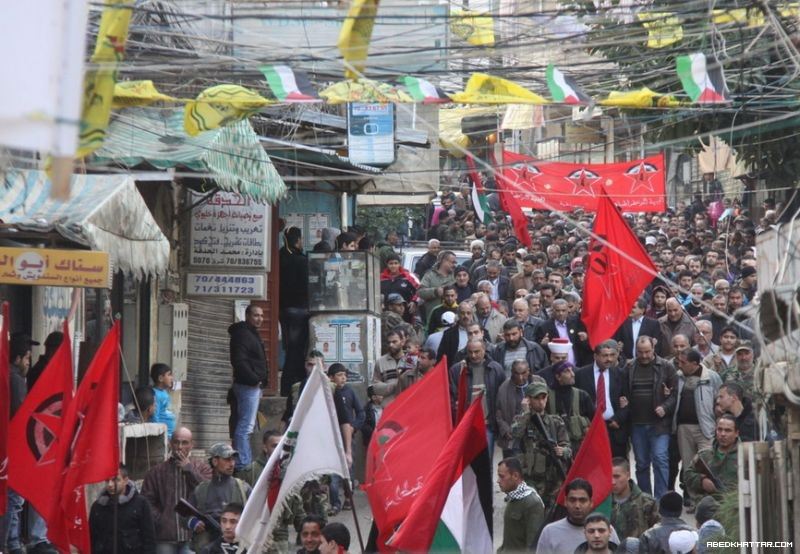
(535,389)
(222,450)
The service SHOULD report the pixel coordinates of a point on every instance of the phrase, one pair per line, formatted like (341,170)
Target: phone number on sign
(210,284)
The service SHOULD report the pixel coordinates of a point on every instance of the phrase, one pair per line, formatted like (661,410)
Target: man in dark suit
(501,285)
(455,338)
(560,325)
(636,326)
(615,385)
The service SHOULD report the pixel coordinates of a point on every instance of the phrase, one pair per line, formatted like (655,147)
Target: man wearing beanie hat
(708,528)
(656,539)
(559,349)
(543,467)
(573,405)
(748,282)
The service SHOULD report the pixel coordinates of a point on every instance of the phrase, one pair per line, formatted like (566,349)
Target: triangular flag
(476,28)
(288,85)
(614,279)
(310,448)
(453,511)
(702,78)
(137,93)
(564,88)
(424,91)
(593,463)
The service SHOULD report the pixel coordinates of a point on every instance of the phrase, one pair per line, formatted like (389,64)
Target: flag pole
(348,492)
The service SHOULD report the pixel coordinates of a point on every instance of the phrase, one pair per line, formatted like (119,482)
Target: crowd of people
(675,384)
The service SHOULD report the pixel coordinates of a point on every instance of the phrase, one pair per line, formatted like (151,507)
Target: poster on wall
(229,230)
(341,339)
(311,224)
(351,343)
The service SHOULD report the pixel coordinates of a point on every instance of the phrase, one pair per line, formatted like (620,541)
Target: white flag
(311,447)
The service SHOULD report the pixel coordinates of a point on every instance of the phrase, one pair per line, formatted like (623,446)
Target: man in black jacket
(635,326)
(615,384)
(249,374)
(515,347)
(561,325)
(293,305)
(131,519)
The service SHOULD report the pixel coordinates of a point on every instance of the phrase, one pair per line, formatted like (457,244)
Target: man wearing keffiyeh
(524,513)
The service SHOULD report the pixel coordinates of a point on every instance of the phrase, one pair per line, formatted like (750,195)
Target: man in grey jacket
(656,539)
(694,412)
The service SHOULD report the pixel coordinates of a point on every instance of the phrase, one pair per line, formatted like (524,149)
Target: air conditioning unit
(173,338)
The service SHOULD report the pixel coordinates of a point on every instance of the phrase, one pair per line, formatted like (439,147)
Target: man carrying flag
(311,447)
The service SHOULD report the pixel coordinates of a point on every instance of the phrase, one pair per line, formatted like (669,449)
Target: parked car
(410,257)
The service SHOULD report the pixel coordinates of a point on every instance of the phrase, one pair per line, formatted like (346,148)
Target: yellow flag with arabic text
(642,98)
(487,89)
(220,105)
(355,36)
(98,84)
(137,93)
(476,28)
(663,29)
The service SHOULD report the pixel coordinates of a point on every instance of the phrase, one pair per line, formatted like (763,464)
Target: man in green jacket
(633,512)
(722,459)
(524,514)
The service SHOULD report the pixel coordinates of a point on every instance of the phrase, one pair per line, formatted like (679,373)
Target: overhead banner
(634,186)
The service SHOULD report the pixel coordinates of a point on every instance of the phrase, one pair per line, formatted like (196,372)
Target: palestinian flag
(424,91)
(453,511)
(563,88)
(288,85)
(702,78)
(479,200)
(593,463)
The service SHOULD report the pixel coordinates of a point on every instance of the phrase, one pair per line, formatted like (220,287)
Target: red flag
(639,185)
(511,206)
(615,277)
(461,480)
(593,462)
(409,436)
(5,407)
(90,448)
(35,432)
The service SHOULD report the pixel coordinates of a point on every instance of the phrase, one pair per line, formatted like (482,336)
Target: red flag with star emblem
(635,186)
(90,446)
(615,277)
(34,471)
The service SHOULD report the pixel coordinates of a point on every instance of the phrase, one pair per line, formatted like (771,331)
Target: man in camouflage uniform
(543,466)
(293,512)
(633,512)
(742,372)
(722,459)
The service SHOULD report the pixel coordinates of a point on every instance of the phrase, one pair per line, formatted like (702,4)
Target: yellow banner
(138,93)
(486,89)
(98,85)
(355,35)
(663,29)
(56,268)
(474,27)
(220,105)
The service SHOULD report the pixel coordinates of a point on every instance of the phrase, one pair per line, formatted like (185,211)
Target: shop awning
(232,154)
(103,212)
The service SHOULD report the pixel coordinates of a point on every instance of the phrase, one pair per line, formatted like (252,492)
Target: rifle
(185,509)
(702,467)
(550,444)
